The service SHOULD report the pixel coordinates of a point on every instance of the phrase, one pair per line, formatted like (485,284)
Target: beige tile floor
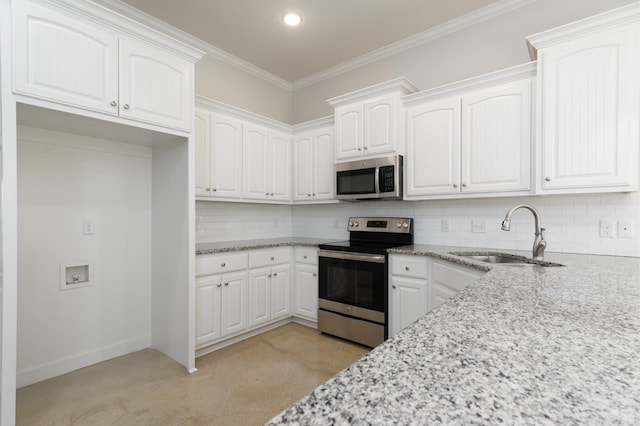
(243,384)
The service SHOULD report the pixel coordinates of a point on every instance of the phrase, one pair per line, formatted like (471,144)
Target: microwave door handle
(377,180)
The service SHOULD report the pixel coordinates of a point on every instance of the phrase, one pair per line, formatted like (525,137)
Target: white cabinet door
(202,129)
(279,171)
(379,126)
(349,131)
(155,85)
(307,291)
(408,300)
(496,139)
(324,159)
(234,303)
(433,148)
(447,279)
(259,296)
(255,143)
(226,157)
(590,111)
(302,170)
(280,292)
(63,59)
(208,326)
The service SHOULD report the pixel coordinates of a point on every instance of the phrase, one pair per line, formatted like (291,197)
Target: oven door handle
(361,257)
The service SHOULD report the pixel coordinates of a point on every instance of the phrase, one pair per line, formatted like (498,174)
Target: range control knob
(405,225)
(350,223)
(399,225)
(356,224)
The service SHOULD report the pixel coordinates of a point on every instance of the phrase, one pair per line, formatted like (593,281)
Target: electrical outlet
(625,229)
(479,225)
(606,229)
(445,225)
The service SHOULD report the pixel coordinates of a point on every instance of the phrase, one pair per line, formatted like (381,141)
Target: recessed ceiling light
(292,19)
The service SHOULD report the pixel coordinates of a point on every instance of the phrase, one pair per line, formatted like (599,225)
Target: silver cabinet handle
(272,257)
(548,179)
(271,194)
(214,189)
(226,284)
(455,185)
(219,285)
(359,149)
(406,268)
(223,264)
(365,148)
(126,106)
(308,195)
(114,103)
(304,257)
(393,286)
(313,195)
(269,276)
(464,185)
(207,189)
(275,274)
(315,275)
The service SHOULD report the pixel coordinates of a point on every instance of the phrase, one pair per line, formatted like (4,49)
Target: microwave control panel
(387,183)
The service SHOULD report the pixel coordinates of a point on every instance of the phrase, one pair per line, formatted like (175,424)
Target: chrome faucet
(539,244)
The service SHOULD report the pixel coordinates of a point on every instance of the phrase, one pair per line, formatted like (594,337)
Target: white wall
(488,46)
(230,85)
(63,179)
(217,221)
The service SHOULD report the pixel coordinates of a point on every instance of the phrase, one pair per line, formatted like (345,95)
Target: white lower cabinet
(269,294)
(220,306)
(306,279)
(408,293)
(418,284)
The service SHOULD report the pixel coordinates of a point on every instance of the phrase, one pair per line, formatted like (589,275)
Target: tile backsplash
(572,222)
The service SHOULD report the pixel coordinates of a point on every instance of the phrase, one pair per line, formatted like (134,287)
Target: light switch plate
(479,225)
(445,225)
(88,227)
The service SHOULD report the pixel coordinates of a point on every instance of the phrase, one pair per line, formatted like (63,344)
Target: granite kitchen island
(521,345)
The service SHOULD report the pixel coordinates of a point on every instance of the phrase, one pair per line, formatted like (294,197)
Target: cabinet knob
(308,195)
(266,193)
(548,179)
(114,103)
(223,264)
(455,185)
(226,284)
(464,185)
(272,258)
(315,275)
(304,257)
(269,276)
(406,268)
(313,195)
(207,189)
(275,274)
(219,285)
(365,148)
(126,106)
(393,286)
(214,189)
(271,194)
(359,149)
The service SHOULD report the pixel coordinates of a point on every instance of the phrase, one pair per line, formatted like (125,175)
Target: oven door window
(355,283)
(361,181)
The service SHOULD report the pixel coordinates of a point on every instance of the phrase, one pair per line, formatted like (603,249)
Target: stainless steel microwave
(375,178)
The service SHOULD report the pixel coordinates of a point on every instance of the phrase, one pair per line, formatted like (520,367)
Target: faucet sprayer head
(506,225)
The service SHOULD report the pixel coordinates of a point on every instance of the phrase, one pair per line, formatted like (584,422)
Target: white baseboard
(65,365)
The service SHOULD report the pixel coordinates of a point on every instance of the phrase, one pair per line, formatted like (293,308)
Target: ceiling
(332,31)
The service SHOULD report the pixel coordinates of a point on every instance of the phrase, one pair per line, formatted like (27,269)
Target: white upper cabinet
(496,139)
(218,155)
(313,170)
(72,61)
(64,59)
(155,86)
(267,164)
(589,104)
(432,162)
(367,121)
(478,140)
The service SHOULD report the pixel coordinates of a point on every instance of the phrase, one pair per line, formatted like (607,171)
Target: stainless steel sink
(505,259)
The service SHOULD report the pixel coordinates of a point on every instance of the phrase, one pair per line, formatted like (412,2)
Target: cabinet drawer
(409,266)
(307,255)
(215,264)
(269,257)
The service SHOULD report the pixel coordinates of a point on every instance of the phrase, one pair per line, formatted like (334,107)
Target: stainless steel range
(352,284)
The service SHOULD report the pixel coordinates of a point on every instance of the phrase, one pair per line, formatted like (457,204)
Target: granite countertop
(521,345)
(210,248)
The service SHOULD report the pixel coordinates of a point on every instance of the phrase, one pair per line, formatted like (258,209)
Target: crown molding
(156,24)
(314,124)
(400,85)
(217,106)
(517,72)
(483,14)
(602,21)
